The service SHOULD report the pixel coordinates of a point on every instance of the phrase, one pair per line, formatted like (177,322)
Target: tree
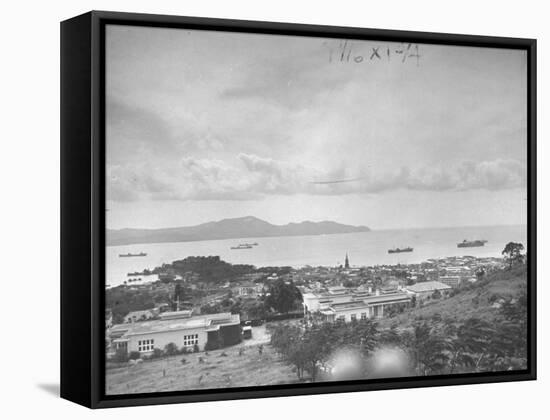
(480,273)
(286,339)
(473,337)
(179,293)
(389,336)
(316,346)
(254,309)
(283,297)
(310,349)
(211,269)
(512,253)
(511,333)
(427,348)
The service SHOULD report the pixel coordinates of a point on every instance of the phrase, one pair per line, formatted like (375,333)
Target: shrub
(157,353)
(134,355)
(171,349)
(121,356)
(196,348)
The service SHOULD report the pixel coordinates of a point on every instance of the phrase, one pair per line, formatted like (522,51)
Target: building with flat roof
(350,306)
(176,314)
(144,337)
(453,281)
(427,288)
(365,307)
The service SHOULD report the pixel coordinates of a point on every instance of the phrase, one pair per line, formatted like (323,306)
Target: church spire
(346,265)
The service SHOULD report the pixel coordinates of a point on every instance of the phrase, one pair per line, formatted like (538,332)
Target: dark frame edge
(321,389)
(76,227)
(303,29)
(532,202)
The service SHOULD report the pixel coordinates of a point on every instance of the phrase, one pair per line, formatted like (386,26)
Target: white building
(453,281)
(144,337)
(314,302)
(352,306)
(427,288)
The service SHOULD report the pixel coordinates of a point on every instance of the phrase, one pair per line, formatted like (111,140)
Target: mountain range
(242,227)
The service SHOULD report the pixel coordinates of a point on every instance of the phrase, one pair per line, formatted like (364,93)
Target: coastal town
(200,305)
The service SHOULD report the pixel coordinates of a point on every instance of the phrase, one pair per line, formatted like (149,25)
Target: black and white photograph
(288,210)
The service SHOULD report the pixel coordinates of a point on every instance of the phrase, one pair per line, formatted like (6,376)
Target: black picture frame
(83,204)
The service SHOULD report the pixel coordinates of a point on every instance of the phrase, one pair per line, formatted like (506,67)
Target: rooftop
(349,305)
(196,322)
(146,312)
(371,301)
(390,297)
(176,314)
(428,286)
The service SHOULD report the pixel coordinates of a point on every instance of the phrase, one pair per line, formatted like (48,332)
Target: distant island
(242,227)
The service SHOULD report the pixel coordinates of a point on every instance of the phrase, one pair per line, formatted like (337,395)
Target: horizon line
(320,221)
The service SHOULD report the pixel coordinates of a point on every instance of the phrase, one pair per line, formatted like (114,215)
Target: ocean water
(363,248)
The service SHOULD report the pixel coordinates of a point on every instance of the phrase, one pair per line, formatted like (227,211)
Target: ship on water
(141,254)
(471,244)
(242,246)
(398,250)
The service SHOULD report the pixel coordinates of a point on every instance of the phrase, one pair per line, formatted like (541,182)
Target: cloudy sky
(205,125)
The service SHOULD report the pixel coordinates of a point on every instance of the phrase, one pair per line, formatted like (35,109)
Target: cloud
(293,78)
(135,182)
(498,174)
(251,177)
(133,131)
(136,134)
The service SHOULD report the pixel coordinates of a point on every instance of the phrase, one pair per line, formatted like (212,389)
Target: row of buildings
(345,304)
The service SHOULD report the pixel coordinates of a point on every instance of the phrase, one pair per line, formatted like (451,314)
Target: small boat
(471,244)
(398,250)
(141,254)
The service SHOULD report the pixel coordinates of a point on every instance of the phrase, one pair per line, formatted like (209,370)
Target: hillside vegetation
(482,300)
(482,327)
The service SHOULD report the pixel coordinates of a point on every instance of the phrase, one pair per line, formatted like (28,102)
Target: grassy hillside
(215,371)
(473,300)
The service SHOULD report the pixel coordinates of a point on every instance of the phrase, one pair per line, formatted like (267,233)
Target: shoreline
(370,231)
(352,268)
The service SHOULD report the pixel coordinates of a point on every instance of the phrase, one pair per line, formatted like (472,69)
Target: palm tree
(427,347)
(471,338)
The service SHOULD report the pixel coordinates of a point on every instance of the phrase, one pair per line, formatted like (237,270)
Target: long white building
(144,337)
(346,305)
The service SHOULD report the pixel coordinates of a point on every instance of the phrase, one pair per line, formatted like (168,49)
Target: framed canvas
(254,209)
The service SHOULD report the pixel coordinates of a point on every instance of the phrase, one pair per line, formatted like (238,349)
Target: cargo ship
(398,250)
(242,246)
(471,244)
(141,254)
